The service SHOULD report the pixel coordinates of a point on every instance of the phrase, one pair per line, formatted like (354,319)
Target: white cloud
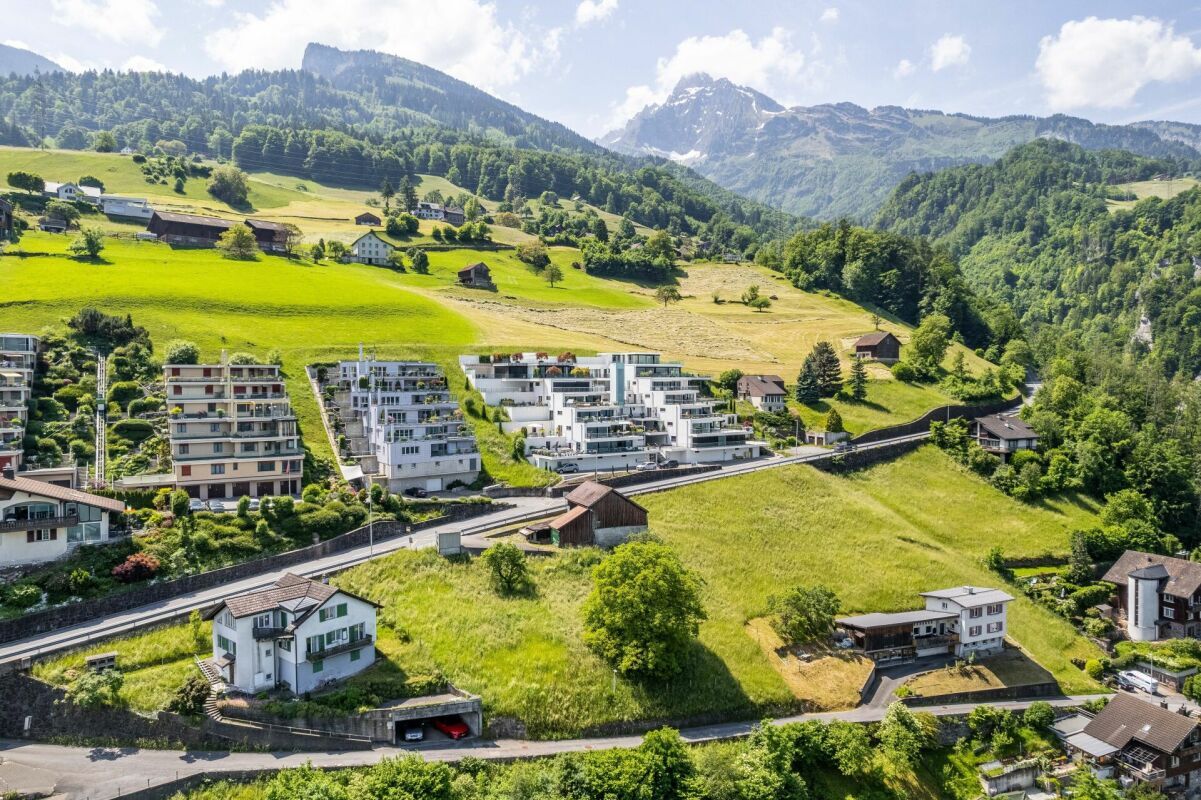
(121,21)
(72,64)
(16,43)
(903,69)
(949,51)
(461,37)
(772,65)
(1103,63)
(589,11)
(829,15)
(143,64)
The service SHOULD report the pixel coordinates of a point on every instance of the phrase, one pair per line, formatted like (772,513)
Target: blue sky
(592,63)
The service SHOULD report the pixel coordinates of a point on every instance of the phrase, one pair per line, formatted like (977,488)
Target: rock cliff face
(843,160)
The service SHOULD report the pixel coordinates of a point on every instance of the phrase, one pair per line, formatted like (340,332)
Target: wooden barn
(367,218)
(597,515)
(476,276)
(272,237)
(187,229)
(6,219)
(881,346)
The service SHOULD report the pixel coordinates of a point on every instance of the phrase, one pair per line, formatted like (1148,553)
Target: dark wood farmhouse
(597,515)
(272,237)
(477,276)
(367,218)
(1003,434)
(1158,597)
(454,215)
(903,635)
(187,229)
(1143,743)
(880,346)
(6,219)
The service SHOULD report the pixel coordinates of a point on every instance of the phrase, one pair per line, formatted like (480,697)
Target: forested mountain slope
(841,159)
(24,62)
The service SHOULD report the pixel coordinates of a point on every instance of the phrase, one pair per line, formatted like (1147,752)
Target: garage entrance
(439,717)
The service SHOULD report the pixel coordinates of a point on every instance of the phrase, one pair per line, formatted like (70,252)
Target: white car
(218,506)
(196,504)
(414,732)
(254,504)
(647,466)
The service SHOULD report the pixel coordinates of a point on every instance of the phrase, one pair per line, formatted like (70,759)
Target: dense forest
(297,123)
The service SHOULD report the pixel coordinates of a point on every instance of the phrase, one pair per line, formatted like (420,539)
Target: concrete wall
(1050,689)
(74,613)
(942,413)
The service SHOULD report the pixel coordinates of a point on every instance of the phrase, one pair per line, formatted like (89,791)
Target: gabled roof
(1184,577)
(1127,718)
(1006,427)
(470,268)
(870,339)
(970,596)
(370,234)
(42,489)
(266,225)
(193,219)
(368,215)
(568,517)
(761,385)
(589,493)
(291,593)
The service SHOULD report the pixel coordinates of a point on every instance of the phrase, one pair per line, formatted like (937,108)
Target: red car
(452,727)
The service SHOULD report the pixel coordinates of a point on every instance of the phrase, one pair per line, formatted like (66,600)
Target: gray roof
(1184,577)
(879,620)
(761,385)
(194,219)
(1090,745)
(870,339)
(1126,718)
(970,596)
(1006,427)
(43,489)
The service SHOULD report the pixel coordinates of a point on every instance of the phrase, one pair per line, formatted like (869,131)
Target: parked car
(646,466)
(669,463)
(254,504)
(1133,680)
(196,504)
(415,491)
(452,727)
(844,447)
(414,732)
(219,506)
(567,469)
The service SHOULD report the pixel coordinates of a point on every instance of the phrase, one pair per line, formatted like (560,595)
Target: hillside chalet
(367,218)
(42,522)
(1158,597)
(764,392)
(476,276)
(880,346)
(187,229)
(1003,434)
(596,515)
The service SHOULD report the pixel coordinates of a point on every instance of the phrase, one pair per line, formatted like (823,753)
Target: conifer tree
(807,390)
(858,380)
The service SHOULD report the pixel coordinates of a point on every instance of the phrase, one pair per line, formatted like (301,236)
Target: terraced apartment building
(18,362)
(403,425)
(232,431)
(609,411)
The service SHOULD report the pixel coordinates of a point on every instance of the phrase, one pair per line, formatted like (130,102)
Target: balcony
(67,521)
(336,649)
(269,632)
(1140,763)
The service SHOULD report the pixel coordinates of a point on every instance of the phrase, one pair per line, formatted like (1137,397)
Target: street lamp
(370,525)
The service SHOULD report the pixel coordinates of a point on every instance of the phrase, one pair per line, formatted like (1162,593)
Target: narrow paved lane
(80,773)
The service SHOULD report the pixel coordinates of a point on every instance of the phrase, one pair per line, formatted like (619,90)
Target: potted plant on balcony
(220,413)
(176,411)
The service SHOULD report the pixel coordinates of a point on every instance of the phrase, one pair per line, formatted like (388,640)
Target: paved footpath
(100,773)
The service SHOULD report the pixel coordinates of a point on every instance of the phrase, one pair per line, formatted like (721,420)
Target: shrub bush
(137,567)
(135,430)
(23,595)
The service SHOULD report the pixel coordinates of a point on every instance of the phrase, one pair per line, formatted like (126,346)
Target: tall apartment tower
(232,430)
(18,360)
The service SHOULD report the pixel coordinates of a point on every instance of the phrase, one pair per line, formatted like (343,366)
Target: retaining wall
(942,413)
(75,613)
(1049,689)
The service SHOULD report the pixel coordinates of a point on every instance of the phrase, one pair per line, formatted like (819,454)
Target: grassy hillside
(748,537)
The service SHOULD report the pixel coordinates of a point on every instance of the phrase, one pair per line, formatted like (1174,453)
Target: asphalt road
(526,509)
(81,773)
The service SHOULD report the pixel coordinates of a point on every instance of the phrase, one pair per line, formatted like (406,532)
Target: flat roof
(1090,745)
(970,596)
(882,620)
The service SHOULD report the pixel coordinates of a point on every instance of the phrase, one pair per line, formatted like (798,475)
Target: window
(333,612)
(185,470)
(994,627)
(355,655)
(975,613)
(44,535)
(227,645)
(263,620)
(217,469)
(995,608)
(1169,612)
(285,645)
(318,666)
(266,466)
(218,447)
(974,630)
(183,449)
(214,427)
(226,619)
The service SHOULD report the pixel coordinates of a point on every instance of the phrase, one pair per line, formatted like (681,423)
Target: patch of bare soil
(827,679)
(653,328)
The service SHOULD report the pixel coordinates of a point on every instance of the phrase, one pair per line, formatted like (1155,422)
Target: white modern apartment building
(297,633)
(232,431)
(406,427)
(18,361)
(609,411)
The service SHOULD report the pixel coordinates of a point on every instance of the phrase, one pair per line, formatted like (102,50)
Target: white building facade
(18,362)
(297,634)
(41,522)
(411,427)
(70,192)
(982,617)
(610,411)
(232,431)
(371,249)
(126,207)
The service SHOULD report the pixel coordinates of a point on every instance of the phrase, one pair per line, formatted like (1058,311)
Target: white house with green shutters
(298,634)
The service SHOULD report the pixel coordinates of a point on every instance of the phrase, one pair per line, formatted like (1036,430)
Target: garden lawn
(155,663)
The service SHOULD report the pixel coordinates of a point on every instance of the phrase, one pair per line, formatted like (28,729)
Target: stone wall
(75,613)
(1027,692)
(942,413)
(864,457)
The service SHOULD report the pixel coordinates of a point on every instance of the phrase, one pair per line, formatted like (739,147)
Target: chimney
(9,472)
